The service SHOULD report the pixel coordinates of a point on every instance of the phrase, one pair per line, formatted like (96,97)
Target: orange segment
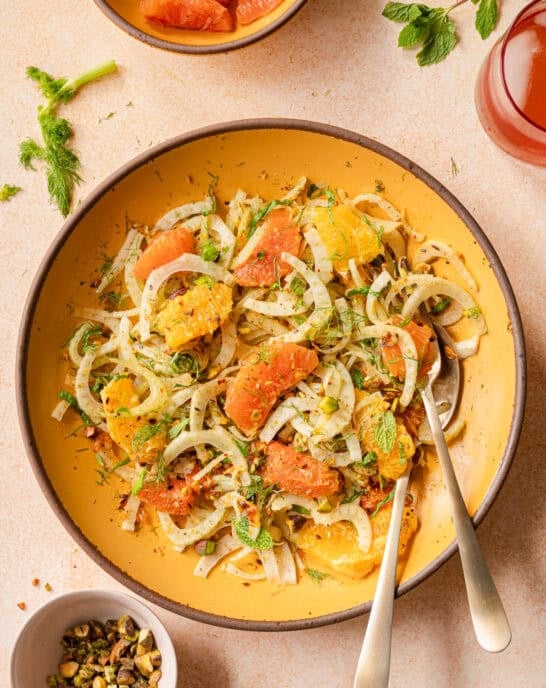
(346,236)
(163,248)
(335,547)
(299,473)
(117,396)
(201,310)
(264,266)
(392,463)
(264,375)
(176,497)
(392,355)
(196,15)
(249,10)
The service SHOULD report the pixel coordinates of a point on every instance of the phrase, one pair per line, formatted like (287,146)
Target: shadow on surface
(199,666)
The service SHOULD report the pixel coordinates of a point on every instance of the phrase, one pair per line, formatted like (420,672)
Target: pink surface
(336,62)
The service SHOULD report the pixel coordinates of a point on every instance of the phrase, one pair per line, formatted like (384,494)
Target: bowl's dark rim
(148,158)
(164,44)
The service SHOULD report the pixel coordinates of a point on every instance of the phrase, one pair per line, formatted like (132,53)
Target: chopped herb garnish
(441,305)
(213,184)
(139,484)
(259,216)
(177,428)
(146,432)
(360,291)
(358,378)
(330,195)
(8,191)
(353,497)
(316,575)
(473,312)
(298,286)
(382,503)
(71,399)
(184,363)
(112,299)
(244,447)
(379,186)
(204,279)
(91,332)
(209,252)
(367,460)
(300,509)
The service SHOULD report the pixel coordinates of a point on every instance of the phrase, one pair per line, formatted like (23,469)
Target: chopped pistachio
(110,673)
(82,631)
(154,678)
(144,664)
(145,641)
(324,507)
(86,672)
(126,627)
(328,405)
(68,669)
(125,677)
(155,656)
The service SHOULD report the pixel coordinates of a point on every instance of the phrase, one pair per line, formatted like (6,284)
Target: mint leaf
(403,12)
(385,431)
(262,541)
(440,41)
(486,17)
(411,35)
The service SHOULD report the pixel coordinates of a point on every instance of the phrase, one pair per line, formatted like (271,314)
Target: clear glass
(501,116)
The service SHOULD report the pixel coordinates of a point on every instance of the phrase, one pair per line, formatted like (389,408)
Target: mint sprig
(433,29)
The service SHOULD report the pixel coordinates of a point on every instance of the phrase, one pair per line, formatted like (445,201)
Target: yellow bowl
(260,156)
(126,15)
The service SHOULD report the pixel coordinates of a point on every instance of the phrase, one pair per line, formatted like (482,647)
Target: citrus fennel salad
(253,376)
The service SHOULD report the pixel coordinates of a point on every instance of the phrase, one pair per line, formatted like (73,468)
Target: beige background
(335,62)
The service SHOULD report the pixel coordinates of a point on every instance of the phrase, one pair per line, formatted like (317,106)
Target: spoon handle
(374,661)
(488,616)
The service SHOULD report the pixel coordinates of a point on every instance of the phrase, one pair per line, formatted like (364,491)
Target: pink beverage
(511,87)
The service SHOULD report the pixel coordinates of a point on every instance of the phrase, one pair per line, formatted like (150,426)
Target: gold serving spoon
(488,616)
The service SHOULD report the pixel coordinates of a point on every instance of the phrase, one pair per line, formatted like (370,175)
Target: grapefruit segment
(249,10)
(264,266)
(263,376)
(176,497)
(298,473)
(163,248)
(195,15)
(392,355)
